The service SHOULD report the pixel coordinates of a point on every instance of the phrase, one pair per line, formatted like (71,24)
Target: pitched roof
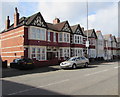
(57,27)
(60,25)
(107,36)
(90,31)
(24,20)
(114,39)
(74,27)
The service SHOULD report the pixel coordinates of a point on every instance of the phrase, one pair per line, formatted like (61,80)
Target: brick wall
(12,44)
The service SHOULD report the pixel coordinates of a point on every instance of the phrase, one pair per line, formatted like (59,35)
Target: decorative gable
(66,28)
(93,35)
(38,21)
(78,31)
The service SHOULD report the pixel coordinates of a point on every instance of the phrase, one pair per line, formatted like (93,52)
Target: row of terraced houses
(49,43)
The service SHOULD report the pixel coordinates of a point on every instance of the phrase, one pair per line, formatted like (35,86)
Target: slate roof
(56,27)
(24,20)
(74,27)
(89,32)
(28,20)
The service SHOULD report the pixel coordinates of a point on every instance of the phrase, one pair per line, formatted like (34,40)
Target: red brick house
(34,38)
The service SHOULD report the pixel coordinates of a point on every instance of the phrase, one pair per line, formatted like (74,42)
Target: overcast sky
(102,15)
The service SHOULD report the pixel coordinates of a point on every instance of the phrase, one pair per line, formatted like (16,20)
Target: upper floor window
(92,41)
(54,35)
(65,37)
(78,39)
(60,37)
(68,37)
(37,33)
(48,36)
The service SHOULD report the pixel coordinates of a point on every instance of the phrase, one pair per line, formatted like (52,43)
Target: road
(97,79)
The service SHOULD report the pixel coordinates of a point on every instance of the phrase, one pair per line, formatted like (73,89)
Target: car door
(79,61)
(83,60)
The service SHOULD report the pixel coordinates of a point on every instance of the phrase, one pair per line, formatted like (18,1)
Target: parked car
(25,63)
(75,62)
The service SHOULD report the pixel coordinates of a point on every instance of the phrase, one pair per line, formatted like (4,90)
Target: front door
(51,55)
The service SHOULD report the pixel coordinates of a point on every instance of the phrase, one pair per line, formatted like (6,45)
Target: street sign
(87,43)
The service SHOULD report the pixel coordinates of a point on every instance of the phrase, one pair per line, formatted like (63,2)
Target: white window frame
(42,55)
(49,36)
(54,36)
(60,37)
(33,31)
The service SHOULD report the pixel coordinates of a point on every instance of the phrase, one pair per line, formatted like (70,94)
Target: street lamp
(87,42)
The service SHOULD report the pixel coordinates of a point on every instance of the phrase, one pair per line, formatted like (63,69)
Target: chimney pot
(7,23)
(56,20)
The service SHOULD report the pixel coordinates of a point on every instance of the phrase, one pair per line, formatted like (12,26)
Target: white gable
(38,22)
(110,39)
(100,37)
(66,28)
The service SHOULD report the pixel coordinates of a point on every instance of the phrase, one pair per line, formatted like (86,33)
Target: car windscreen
(26,60)
(16,60)
(72,59)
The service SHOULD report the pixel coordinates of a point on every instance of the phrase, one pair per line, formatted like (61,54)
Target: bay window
(65,37)
(78,39)
(37,33)
(38,52)
(68,38)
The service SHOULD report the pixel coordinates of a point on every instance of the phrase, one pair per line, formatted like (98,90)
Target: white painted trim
(10,56)
(34,46)
(13,46)
(13,52)
(12,33)
(12,37)
(30,51)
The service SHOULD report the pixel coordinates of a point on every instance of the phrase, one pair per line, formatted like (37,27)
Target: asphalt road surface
(97,79)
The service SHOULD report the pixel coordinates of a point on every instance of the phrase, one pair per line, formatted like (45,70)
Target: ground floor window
(64,52)
(92,53)
(38,52)
(77,52)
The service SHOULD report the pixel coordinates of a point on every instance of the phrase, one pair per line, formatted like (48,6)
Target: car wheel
(74,66)
(86,64)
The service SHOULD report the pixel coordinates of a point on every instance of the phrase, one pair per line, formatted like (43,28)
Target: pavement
(97,79)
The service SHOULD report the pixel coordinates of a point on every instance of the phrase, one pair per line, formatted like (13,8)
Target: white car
(75,62)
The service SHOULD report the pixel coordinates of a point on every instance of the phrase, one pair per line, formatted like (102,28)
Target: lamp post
(87,42)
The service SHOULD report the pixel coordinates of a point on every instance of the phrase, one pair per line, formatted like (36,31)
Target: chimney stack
(56,20)
(98,31)
(7,23)
(16,17)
